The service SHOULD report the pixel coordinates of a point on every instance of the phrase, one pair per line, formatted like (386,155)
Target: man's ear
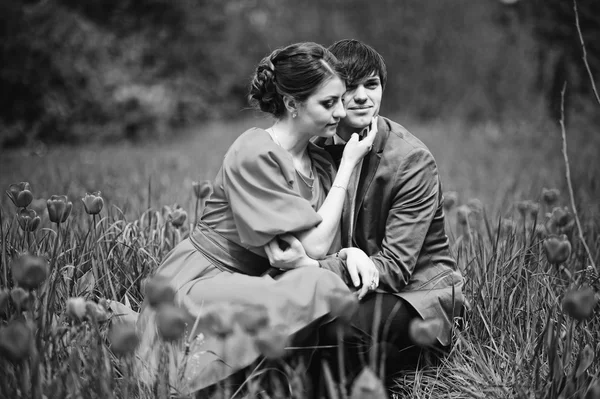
(290,104)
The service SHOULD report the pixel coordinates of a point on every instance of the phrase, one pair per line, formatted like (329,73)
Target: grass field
(522,337)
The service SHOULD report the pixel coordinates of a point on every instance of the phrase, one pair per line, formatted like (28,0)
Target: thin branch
(568,173)
(585,61)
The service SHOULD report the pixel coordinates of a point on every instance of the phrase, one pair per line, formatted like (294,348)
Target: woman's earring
(294,114)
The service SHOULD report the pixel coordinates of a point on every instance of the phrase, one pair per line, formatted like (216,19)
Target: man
(396,250)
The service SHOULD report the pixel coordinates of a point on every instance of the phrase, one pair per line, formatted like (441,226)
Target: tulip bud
(178,217)
(580,304)
(76,308)
(123,339)
(450,200)
(533,208)
(93,203)
(343,305)
(507,226)
(253,318)
(59,208)
(476,206)
(550,196)
(271,342)
(28,219)
(202,189)
(462,215)
(159,291)
(4,295)
(20,194)
(367,386)
(170,321)
(563,219)
(522,207)
(21,298)
(424,332)
(15,341)
(218,320)
(558,249)
(96,311)
(29,271)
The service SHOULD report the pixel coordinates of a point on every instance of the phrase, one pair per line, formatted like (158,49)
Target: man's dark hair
(359,60)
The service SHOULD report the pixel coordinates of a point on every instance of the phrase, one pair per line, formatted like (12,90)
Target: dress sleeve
(260,185)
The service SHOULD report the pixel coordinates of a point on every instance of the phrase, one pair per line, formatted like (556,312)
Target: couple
(359,209)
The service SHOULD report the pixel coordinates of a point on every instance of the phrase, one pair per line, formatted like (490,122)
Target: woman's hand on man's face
(356,149)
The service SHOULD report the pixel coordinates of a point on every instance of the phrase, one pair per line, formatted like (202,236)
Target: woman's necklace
(310,182)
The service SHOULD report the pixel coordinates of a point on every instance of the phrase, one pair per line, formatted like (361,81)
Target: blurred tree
(559,51)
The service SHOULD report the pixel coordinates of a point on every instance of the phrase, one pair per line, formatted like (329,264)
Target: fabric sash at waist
(226,254)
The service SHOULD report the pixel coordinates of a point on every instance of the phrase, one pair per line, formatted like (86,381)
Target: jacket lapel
(369,167)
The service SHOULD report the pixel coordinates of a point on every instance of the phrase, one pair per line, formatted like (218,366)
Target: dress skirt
(295,301)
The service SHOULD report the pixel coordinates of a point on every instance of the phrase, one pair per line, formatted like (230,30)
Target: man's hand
(361,269)
(292,257)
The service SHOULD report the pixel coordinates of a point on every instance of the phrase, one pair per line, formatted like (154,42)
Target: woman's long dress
(257,195)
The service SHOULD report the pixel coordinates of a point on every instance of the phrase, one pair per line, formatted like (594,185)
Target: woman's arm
(318,240)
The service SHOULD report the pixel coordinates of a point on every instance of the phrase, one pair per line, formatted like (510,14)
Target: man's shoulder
(400,140)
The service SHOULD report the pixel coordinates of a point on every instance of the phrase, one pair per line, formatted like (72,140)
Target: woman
(272,182)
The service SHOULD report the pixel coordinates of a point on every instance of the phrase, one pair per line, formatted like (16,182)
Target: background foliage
(105,69)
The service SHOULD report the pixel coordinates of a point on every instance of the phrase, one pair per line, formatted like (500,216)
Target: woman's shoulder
(255,151)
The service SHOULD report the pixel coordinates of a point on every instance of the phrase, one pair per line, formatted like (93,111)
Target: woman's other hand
(361,269)
(286,252)
(356,149)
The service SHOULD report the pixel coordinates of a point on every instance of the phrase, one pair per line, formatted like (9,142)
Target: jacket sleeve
(413,207)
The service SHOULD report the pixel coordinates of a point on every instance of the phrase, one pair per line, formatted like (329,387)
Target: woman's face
(320,113)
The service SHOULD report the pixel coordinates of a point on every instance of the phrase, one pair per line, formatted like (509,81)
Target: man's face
(362,101)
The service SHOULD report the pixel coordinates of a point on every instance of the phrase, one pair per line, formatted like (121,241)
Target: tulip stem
(196,214)
(568,174)
(3,256)
(53,277)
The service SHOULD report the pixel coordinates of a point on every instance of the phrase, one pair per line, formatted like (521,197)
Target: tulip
(4,295)
(29,271)
(170,321)
(123,339)
(76,308)
(562,220)
(20,194)
(533,209)
(202,189)
(93,203)
(159,291)
(424,332)
(96,311)
(550,196)
(343,305)
(28,219)
(15,341)
(271,342)
(368,386)
(178,217)
(580,304)
(558,249)
(450,200)
(219,321)
(522,207)
(21,298)
(462,215)
(253,318)
(475,205)
(59,208)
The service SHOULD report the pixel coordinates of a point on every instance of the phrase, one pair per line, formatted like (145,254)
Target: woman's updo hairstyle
(297,70)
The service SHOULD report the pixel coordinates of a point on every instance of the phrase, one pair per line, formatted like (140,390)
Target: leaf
(585,361)
(85,284)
